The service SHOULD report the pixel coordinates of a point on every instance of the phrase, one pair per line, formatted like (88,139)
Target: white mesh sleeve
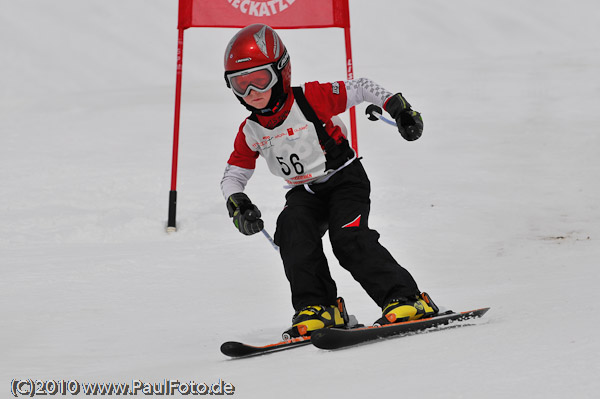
(234,180)
(363,89)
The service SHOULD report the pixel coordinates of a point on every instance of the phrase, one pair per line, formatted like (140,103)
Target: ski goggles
(261,79)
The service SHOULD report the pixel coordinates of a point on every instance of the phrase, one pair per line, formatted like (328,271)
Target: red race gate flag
(279,14)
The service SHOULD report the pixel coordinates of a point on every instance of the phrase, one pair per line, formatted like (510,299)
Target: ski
(336,339)
(238,349)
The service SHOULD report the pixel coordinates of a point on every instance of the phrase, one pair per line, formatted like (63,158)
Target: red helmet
(257,59)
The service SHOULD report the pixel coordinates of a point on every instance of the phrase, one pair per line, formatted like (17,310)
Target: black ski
(335,339)
(238,349)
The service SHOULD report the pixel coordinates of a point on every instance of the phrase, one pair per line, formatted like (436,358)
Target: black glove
(410,123)
(246,216)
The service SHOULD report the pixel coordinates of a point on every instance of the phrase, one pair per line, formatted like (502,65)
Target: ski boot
(315,317)
(407,308)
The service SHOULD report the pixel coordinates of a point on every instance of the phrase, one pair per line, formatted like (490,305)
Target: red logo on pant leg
(354,223)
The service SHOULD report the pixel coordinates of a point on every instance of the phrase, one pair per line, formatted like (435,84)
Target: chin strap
(269,110)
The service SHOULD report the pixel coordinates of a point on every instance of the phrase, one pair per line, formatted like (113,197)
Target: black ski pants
(340,205)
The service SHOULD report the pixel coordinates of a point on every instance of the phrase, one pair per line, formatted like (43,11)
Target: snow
(496,205)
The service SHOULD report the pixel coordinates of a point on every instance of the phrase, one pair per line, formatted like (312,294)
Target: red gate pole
(171,223)
(350,74)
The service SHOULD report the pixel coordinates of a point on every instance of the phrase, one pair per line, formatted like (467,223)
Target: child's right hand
(246,216)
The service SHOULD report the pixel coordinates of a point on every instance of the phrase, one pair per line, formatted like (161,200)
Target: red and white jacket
(288,141)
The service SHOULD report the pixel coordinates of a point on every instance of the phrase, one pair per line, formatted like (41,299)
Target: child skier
(296,130)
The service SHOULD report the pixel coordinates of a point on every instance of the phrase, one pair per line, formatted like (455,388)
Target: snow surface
(497,205)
